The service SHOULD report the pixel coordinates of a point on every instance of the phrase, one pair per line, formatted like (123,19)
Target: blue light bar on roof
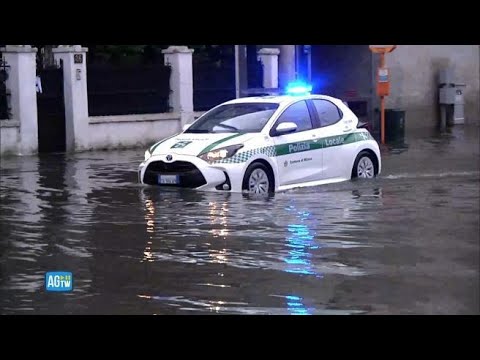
(298,88)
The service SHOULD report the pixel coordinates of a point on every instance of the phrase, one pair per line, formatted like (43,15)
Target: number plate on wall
(78,58)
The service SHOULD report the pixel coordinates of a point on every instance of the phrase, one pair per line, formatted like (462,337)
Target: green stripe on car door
(298,147)
(319,143)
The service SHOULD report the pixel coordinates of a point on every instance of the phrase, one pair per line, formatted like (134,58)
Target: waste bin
(459,106)
(394,125)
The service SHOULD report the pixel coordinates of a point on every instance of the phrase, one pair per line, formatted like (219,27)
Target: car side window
(328,112)
(297,113)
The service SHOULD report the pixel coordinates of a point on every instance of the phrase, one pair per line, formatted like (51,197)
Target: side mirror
(186,126)
(286,128)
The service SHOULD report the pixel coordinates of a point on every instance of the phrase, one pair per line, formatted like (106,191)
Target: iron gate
(51,111)
(4,103)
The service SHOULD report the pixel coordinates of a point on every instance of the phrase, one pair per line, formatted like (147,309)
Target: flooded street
(404,243)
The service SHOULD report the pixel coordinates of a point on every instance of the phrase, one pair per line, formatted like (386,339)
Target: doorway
(51,110)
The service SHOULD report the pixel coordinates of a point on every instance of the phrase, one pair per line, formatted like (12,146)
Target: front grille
(176,167)
(190,176)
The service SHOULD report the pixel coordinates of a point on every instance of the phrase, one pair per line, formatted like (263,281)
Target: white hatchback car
(263,145)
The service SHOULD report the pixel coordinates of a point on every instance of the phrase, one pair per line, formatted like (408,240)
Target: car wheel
(364,166)
(258,180)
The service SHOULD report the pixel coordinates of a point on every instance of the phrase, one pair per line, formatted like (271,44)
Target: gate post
(75,93)
(269,59)
(287,64)
(21,82)
(179,58)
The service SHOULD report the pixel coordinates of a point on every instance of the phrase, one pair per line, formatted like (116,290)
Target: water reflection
(219,218)
(296,306)
(299,243)
(43,222)
(150,227)
(397,147)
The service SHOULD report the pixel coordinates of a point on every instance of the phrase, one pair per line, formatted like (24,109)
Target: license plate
(168,179)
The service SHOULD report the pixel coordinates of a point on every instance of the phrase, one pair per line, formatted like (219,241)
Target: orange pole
(382,60)
(382,104)
(382,112)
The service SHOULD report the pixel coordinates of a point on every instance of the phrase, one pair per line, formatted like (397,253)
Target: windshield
(243,118)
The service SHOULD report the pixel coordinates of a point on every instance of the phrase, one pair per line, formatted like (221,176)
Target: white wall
(414,70)
(9,137)
(108,132)
(124,131)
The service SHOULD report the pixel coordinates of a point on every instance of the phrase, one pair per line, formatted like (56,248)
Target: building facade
(414,71)
(349,72)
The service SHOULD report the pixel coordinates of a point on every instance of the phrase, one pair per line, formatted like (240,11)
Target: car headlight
(148,155)
(220,154)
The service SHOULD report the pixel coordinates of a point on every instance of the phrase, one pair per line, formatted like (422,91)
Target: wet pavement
(404,243)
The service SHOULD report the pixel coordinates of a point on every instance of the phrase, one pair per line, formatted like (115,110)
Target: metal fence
(4,95)
(128,89)
(213,84)
(255,74)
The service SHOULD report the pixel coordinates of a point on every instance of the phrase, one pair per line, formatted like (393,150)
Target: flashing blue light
(299,88)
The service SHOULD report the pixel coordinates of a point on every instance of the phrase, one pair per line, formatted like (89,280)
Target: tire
(258,180)
(365,166)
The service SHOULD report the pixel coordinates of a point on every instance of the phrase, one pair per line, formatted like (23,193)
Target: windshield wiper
(199,131)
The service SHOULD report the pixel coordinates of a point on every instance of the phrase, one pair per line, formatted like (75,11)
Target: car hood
(196,144)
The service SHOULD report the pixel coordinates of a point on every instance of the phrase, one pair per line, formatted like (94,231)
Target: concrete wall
(414,70)
(124,131)
(130,131)
(9,137)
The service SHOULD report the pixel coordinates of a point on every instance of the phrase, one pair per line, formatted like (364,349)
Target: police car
(265,144)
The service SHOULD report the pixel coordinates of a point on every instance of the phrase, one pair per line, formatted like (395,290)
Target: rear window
(328,112)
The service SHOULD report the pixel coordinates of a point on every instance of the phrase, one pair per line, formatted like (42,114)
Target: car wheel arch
(269,166)
(373,156)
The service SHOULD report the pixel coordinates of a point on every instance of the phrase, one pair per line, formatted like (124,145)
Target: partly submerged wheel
(258,180)
(364,166)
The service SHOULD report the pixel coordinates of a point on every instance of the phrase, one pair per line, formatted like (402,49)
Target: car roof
(278,99)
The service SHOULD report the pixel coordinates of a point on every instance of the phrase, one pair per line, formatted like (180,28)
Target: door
(51,111)
(299,156)
(336,138)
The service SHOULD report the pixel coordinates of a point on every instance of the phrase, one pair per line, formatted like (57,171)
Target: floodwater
(404,243)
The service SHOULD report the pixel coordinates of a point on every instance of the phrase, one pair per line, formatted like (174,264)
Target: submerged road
(404,243)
